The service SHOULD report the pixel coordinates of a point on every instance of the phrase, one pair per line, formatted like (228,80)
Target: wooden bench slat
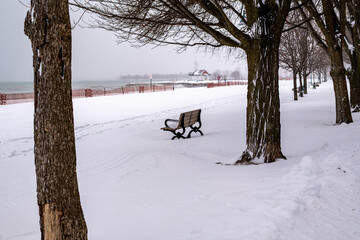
(191,118)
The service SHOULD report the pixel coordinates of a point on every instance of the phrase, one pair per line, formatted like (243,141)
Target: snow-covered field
(137,184)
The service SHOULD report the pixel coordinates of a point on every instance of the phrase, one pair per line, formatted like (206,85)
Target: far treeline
(265,31)
(235,75)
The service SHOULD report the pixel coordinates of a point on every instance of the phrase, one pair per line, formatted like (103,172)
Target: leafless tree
(321,62)
(47,25)
(251,26)
(293,55)
(330,18)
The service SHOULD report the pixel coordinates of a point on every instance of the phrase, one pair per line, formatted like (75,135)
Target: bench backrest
(189,118)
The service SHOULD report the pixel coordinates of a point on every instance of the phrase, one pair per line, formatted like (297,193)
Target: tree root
(245,159)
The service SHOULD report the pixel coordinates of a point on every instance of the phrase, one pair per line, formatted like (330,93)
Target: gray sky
(96,54)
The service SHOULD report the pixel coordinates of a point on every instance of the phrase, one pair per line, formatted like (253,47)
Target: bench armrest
(170,120)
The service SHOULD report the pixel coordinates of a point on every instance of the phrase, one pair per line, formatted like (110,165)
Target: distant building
(199,75)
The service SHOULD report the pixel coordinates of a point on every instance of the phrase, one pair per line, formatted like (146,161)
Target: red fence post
(2,99)
(88,92)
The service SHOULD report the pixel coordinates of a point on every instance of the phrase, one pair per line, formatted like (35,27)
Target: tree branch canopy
(184,23)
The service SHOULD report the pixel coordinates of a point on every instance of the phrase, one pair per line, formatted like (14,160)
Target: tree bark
(301,93)
(263,105)
(354,80)
(354,54)
(334,36)
(337,72)
(47,25)
(354,76)
(305,82)
(295,87)
(263,102)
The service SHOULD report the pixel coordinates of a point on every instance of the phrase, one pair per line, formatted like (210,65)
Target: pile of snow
(135,183)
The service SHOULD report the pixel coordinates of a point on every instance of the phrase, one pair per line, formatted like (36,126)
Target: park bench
(186,119)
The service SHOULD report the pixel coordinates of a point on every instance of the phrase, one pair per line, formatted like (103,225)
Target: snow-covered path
(136,183)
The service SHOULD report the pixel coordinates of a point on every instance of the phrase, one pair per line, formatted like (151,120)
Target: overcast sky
(96,54)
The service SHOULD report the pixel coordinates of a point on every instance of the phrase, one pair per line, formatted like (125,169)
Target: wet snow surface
(136,183)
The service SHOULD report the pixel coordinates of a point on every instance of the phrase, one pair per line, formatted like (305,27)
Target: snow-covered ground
(137,184)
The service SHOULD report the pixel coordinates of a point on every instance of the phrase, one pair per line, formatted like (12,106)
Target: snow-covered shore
(135,183)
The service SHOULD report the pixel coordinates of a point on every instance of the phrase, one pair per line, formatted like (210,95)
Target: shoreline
(27,87)
(13,98)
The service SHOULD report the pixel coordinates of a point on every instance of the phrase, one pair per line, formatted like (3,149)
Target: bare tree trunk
(305,82)
(354,54)
(301,86)
(354,80)
(263,128)
(337,72)
(263,104)
(47,25)
(295,86)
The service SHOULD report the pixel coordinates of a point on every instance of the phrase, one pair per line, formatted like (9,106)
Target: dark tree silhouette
(47,25)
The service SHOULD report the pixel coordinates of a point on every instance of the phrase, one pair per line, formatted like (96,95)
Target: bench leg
(178,135)
(194,129)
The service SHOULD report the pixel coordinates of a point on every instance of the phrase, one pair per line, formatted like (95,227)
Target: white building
(199,75)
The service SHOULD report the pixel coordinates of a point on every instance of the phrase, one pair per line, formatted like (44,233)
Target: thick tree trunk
(295,87)
(334,26)
(263,104)
(47,24)
(337,72)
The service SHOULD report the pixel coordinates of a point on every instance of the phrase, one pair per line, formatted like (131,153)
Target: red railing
(2,99)
(228,83)
(12,98)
